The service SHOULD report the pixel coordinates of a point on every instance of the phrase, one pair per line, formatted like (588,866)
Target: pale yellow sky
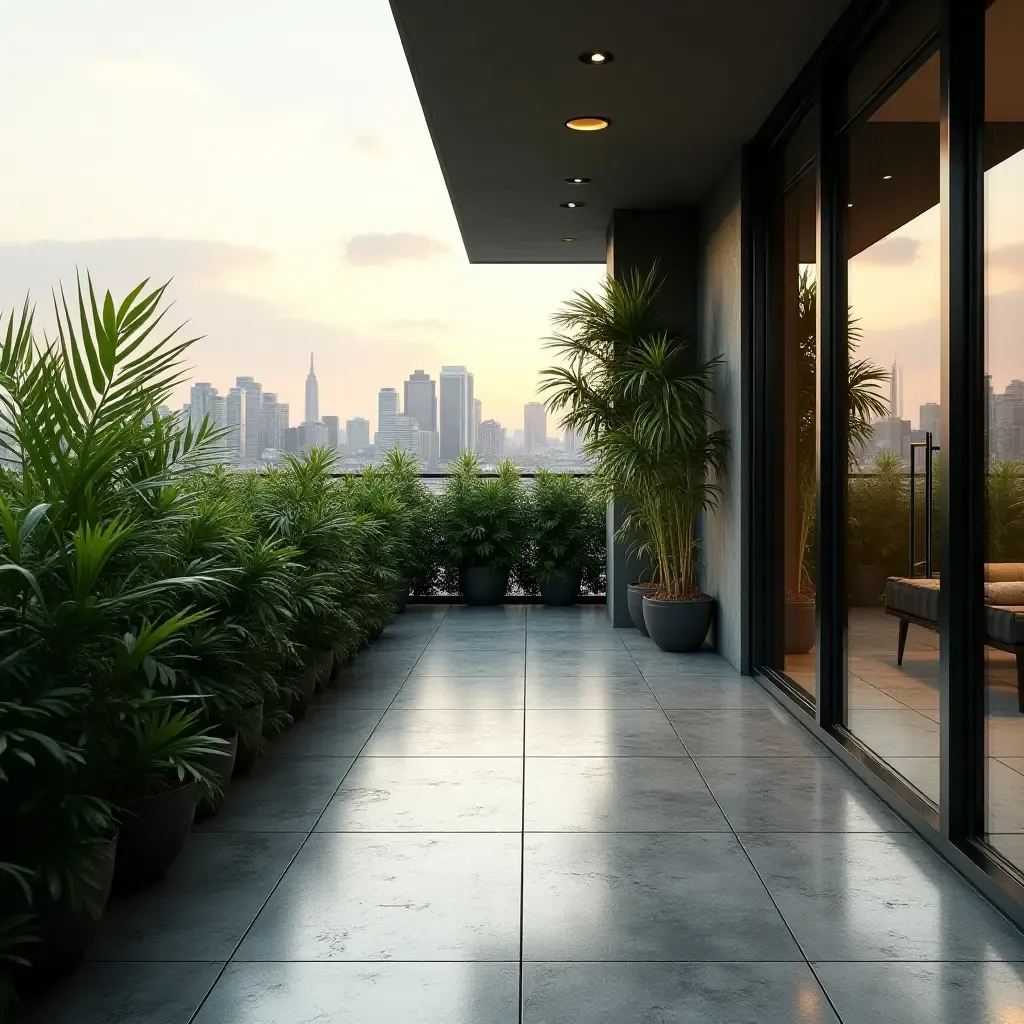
(272,157)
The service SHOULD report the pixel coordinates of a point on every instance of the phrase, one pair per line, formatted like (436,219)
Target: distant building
(456,412)
(430,448)
(271,422)
(333,430)
(387,410)
(930,419)
(253,392)
(535,427)
(570,442)
(478,412)
(491,441)
(290,440)
(421,400)
(398,432)
(204,402)
(310,435)
(234,442)
(357,434)
(312,394)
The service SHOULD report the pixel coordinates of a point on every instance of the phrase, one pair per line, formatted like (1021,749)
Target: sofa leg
(1020,682)
(904,626)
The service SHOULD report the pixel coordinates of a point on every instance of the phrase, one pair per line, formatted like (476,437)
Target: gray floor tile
(678,993)
(425,794)
(326,734)
(589,664)
(450,733)
(339,993)
(925,993)
(473,642)
(617,896)
(472,662)
(654,662)
(745,733)
(465,692)
(573,640)
(794,794)
(350,695)
(710,692)
(619,794)
(395,897)
(583,692)
(855,896)
(201,910)
(126,993)
(279,795)
(609,733)
(895,733)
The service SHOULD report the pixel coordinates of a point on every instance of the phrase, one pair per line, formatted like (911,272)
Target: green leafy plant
(566,522)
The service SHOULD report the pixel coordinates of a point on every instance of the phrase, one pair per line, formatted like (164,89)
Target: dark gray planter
(64,931)
(324,665)
(222,765)
(153,831)
(800,631)
(401,597)
(250,739)
(635,602)
(678,626)
(303,689)
(561,588)
(483,586)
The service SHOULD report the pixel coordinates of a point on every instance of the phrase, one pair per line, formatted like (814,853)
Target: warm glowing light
(568,238)
(886,177)
(577,181)
(587,124)
(596,57)
(571,206)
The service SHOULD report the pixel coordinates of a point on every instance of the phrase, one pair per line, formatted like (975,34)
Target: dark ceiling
(690,83)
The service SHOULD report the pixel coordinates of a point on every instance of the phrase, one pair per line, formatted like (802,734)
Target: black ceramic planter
(250,739)
(64,931)
(483,586)
(800,630)
(153,831)
(222,766)
(561,588)
(401,597)
(324,665)
(635,602)
(678,626)
(302,692)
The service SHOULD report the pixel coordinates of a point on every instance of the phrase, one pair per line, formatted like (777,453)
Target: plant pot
(222,766)
(401,597)
(800,629)
(561,588)
(250,739)
(323,663)
(678,626)
(153,831)
(64,932)
(302,692)
(482,586)
(635,602)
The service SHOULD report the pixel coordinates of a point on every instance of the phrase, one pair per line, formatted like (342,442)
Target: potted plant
(878,506)
(483,528)
(640,397)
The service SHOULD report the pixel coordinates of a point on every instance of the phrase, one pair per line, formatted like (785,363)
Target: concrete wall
(719,326)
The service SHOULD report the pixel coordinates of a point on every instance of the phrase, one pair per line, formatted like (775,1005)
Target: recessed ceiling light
(571,206)
(596,57)
(589,123)
(848,205)
(568,238)
(577,181)
(886,177)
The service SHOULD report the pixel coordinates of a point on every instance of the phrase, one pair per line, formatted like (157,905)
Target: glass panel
(1004,366)
(799,344)
(894,293)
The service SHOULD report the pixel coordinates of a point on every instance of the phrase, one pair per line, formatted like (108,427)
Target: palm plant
(639,396)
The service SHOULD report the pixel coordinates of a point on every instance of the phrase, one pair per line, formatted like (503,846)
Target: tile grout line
(522,820)
(294,857)
(739,842)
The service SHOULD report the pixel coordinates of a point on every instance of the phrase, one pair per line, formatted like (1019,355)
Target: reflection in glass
(893,391)
(1004,384)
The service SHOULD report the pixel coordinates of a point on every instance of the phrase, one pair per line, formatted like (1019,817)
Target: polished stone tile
(394,897)
(383,993)
(279,795)
(618,794)
(745,733)
(582,663)
(710,692)
(353,695)
(660,664)
(895,733)
(497,641)
(921,772)
(925,993)
(465,692)
(573,640)
(583,692)
(676,993)
(476,662)
(407,732)
(578,617)
(794,794)
(201,910)
(1010,846)
(619,896)
(326,734)
(607,733)
(856,896)
(863,696)
(1005,735)
(1005,798)
(126,993)
(424,794)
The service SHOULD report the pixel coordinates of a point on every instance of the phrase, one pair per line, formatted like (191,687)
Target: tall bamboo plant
(640,395)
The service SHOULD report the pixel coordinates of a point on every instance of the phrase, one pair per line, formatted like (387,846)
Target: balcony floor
(521,814)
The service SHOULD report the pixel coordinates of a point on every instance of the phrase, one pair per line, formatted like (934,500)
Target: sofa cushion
(1004,572)
(1004,593)
(917,597)
(1005,623)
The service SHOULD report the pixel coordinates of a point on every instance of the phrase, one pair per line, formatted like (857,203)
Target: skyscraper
(312,395)
(357,433)
(535,426)
(234,443)
(398,432)
(421,400)
(253,392)
(333,429)
(571,442)
(387,407)
(271,436)
(205,402)
(930,419)
(491,441)
(456,412)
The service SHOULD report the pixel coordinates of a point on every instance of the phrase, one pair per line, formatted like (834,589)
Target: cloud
(150,74)
(374,250)
(426,324)
(892,252)
(370,145)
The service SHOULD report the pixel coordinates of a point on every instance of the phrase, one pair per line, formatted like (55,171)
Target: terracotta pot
(679,626)
(153,831)
(800,629)
(635,602)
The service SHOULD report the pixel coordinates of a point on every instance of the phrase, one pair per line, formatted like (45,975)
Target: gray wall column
(636,239)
